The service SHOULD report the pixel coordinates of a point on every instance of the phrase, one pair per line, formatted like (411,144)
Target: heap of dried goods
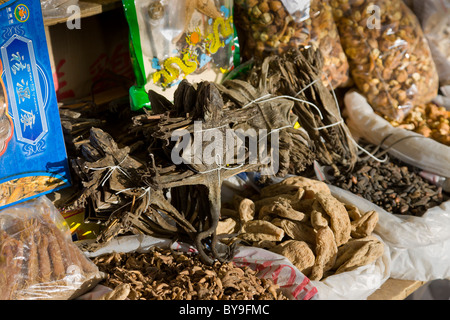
(300,219)
(430,120)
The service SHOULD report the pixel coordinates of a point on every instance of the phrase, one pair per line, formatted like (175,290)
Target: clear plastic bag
(56,8)
(178,39)
(38,260)
(267,27)
(389,56)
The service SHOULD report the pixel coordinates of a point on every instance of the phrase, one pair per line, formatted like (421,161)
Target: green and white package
(172,40)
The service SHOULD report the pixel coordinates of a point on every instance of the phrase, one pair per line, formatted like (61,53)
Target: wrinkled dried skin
(357,253)
(339,219)
(318,220)
(298,253)
(364,226)
(326,253)
(259,230)
(296,230)
(304,205)
(282,209)
(289,184)
(227,226)
(265,244)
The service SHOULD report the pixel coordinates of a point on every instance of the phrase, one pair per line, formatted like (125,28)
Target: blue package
(33,158)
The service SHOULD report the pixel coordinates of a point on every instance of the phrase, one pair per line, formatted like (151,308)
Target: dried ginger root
(259,230)
(282,209)
(326,252)
(364,226)
(298,253)
(339,219)
(357,253)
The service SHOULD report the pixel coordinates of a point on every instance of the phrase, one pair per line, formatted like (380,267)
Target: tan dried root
(298,253)
(357,253)
(259,230)
(227,226)
(339,219)
(290,198)
(292,184)
(364,226)
(120,292)
(245,207)
(300,219)
(318,220)
(353,212)
(326,252)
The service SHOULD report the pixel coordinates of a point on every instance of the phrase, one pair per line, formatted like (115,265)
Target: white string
(146,190)
(330,125)
(275,130)
(342,122)
(309,85)
(284,97)
(111,171)
(257,100)
(218,162)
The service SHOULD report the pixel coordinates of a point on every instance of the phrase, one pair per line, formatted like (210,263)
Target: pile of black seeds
(393,186)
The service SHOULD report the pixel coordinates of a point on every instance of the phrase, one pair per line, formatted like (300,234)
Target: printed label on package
(33,158)
(24,90)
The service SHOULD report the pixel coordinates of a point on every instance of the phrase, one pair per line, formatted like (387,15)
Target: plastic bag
(358,284)
(434,16)
(389,56)
(267,27)
(38,260)
(56,8)
(172,40)
(268,264)
(416,150)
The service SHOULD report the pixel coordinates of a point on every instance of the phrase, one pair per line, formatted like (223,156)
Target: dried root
(300,219)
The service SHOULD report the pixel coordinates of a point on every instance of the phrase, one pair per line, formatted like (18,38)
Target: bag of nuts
(434,16)
(389,56)
(266,27)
